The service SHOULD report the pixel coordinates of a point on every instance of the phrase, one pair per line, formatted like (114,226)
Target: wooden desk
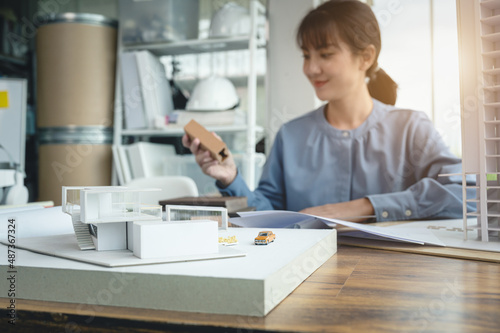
(357,290)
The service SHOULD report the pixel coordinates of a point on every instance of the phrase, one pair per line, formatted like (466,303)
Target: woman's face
(333,71)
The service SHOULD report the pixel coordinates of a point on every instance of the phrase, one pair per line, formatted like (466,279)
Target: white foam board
(251,285)
(110,236)
(156,239)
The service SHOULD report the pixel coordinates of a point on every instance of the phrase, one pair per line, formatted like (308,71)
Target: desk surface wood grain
(357,290)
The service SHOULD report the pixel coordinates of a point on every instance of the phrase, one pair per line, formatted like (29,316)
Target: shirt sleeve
(431,196)
(270,193)
(424,200)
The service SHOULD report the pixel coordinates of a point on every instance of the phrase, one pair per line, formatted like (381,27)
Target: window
(420,52)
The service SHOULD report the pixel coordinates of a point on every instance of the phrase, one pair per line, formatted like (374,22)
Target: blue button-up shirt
(393,159)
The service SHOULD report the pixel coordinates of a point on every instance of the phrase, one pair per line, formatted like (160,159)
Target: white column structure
(479,43)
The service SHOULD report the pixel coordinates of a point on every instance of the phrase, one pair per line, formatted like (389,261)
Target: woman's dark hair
(354,23)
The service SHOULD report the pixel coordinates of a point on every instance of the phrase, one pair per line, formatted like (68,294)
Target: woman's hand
(225,172)
(344,210)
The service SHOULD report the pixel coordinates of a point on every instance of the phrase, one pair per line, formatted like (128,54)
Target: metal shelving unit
(13,60)
(250,43)
(192,46)
(177,131)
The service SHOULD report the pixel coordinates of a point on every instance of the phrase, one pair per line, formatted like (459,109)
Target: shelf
(494,37)
(250,42)
(492,54)
(238,81)
(478,227)
(13,60)
(491,105)
(493,71)
(492,20)
(493,228)
(193,46)
(490,4)
(492,88)
(179,130)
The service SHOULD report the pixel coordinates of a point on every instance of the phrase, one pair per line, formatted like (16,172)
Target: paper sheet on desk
(287,219)
(36,222)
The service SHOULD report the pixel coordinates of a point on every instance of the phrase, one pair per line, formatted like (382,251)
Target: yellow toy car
(265,237)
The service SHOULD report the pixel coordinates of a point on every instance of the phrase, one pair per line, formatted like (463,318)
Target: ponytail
(382,87)
(354,23)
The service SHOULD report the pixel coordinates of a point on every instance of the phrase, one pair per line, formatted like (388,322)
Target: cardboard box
(208,141)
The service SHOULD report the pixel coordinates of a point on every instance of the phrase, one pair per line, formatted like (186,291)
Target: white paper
(287,219)
(450,232)
(37,222)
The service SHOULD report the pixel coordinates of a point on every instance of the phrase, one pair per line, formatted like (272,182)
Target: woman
(354,156)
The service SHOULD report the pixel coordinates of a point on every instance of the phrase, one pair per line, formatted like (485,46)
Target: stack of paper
(141,159)
(146,90)
(287,219)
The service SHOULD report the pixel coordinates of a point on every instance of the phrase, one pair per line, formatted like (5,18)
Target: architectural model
(479,40)
(113,218)
(184,212)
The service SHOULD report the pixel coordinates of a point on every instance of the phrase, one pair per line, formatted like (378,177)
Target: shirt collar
(378,111)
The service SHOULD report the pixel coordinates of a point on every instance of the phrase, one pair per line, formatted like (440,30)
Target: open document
(287,219)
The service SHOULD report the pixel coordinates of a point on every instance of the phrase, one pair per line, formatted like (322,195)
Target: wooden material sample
(208,141)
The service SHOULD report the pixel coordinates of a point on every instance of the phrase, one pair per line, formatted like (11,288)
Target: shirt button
(408,212)
(345,134)
(385,214)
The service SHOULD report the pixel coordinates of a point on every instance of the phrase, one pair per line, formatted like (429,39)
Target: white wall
(289,93)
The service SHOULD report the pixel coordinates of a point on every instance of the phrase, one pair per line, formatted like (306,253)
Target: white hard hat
(214,93)
(231,20)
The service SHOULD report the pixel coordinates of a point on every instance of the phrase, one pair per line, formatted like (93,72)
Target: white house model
(113,218)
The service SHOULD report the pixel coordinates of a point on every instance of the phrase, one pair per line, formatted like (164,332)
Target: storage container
(73,157)
(76,59)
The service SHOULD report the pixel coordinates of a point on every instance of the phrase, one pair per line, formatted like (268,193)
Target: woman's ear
(367,57)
